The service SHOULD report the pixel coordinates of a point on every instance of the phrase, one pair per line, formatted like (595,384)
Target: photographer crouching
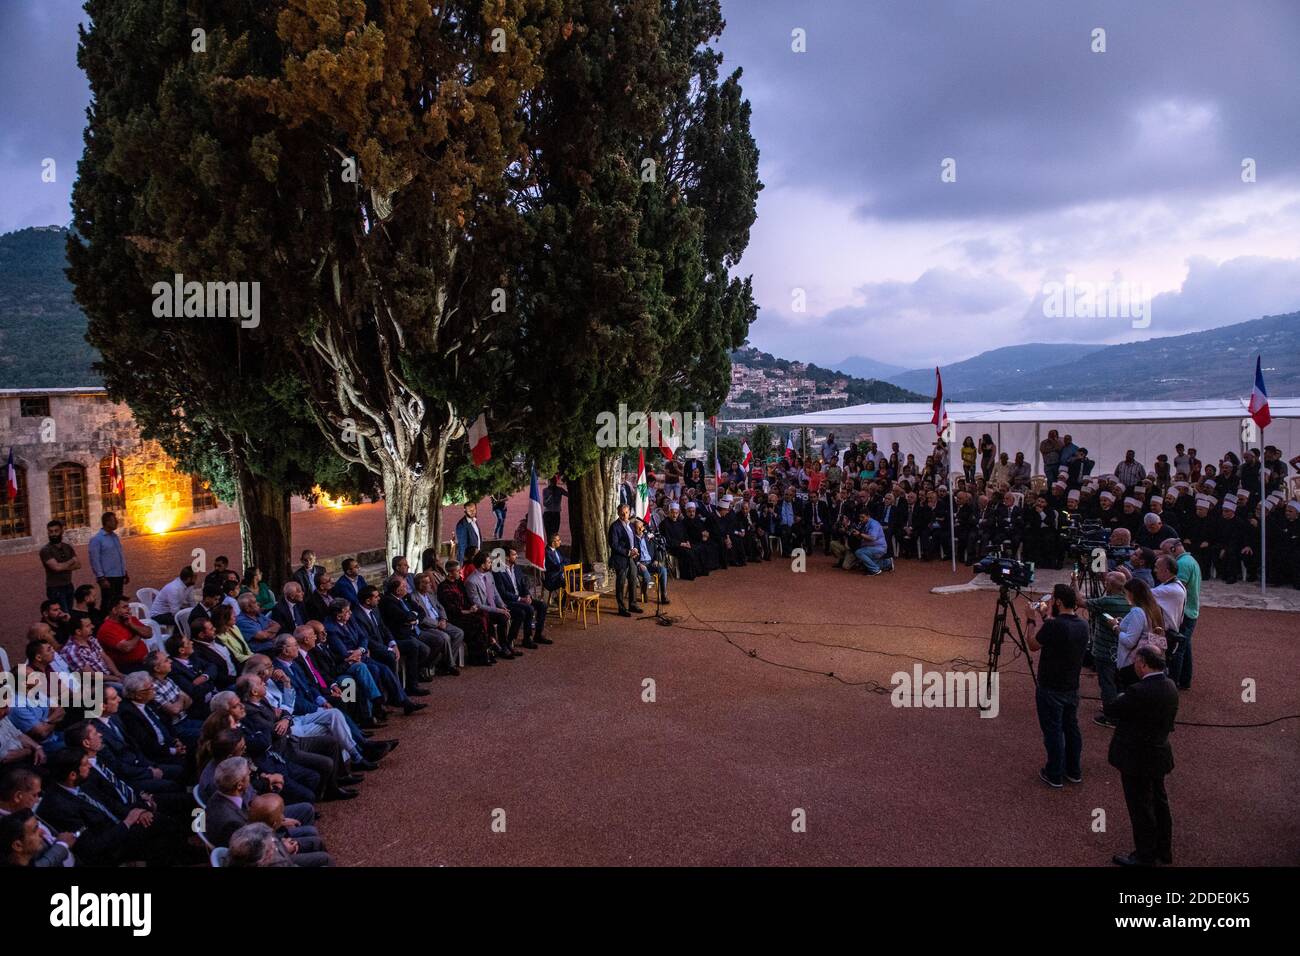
(1063,639)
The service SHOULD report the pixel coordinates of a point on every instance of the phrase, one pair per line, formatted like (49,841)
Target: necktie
(87,798)
(314,673)
(124,791)
(153,722)
(297,615)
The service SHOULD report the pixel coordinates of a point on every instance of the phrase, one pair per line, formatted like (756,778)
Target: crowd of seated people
(868,507)
(250,711)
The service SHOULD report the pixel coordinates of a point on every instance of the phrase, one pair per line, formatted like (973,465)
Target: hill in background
(42,329)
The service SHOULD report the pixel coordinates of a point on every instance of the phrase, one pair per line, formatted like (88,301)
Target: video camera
(1006,571)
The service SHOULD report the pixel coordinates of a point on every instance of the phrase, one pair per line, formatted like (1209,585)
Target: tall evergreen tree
(164,188)
(642,188)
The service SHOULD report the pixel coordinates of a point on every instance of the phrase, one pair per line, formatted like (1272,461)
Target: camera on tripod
(1006,571)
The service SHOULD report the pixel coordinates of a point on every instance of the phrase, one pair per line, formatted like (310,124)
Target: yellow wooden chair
(575,596)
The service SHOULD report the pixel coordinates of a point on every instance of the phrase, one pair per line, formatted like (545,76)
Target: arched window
(112,492)
(14,519)
(201,494)
(68,495)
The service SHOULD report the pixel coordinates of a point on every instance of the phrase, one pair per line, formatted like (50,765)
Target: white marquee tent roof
(1106,429)
(884,415)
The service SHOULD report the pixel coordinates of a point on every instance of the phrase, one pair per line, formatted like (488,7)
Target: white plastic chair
(146,596)
(156,642)
(183,620)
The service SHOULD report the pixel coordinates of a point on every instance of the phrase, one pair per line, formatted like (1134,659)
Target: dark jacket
(1145,717)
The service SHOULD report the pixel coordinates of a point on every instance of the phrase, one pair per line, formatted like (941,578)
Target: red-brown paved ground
(588,773)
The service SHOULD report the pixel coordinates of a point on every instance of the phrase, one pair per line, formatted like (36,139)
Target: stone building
(62,441)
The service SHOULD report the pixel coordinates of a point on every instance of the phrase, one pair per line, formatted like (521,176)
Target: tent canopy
(1106,429)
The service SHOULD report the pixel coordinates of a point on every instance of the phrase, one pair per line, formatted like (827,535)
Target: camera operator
(1063,639)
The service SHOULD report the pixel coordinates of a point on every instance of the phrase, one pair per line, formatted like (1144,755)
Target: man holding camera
(1063,639)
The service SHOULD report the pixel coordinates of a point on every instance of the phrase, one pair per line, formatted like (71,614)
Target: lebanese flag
(940,417)
(789,447)
(642,488)
(667,443)
(746,456)
(116,480)
(1259,398)
(479,447)
(534,535)
(11,481)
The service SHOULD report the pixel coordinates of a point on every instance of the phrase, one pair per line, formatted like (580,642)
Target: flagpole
(1263,518)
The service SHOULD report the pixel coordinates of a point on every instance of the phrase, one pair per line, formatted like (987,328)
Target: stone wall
(82,428)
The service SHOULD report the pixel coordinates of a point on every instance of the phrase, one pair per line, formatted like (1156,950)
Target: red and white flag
(1259,398)
(479,447)
(116,479)
(667,443)
(11,479)
(789,446)
(717,470)
(940,417)
(535,535)
(746,456)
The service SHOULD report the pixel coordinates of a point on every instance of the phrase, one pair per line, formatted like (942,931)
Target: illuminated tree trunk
(593,506)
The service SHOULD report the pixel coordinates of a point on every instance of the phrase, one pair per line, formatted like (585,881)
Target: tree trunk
(265,527)
(593,505)
(407,500)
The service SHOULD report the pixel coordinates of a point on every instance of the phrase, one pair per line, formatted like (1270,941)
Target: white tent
(1106,429)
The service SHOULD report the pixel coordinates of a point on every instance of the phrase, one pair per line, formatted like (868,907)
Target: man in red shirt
(123,637)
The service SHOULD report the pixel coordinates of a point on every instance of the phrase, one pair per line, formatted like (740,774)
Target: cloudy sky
(1118,170)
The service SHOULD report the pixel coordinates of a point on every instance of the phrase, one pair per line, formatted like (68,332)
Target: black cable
(875,686)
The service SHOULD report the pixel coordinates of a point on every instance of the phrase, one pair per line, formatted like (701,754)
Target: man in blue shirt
(874,549)
(107,561)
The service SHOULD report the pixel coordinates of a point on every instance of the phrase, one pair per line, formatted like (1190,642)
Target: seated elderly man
(326,669)
(305,770)
(258,628)
(256,845)
(302,843)
(306,719)
(185,717)
(123,757)
(147,728)
(228,807)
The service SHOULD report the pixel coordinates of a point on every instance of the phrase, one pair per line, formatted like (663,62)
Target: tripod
(1001,631)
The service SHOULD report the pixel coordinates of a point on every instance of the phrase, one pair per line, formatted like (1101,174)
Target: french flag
(535,535)
(11,480)
(789,446)
(1258,398)
(940,417)
(479,447)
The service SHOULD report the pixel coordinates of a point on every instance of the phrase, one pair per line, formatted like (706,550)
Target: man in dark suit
(369,623)
(350,582)
(308,574)
(145,727)
(125,760)
(1144,716)
(290,612)
(622,548)
(316,607)
(512,585)
(109,835)
(20,792)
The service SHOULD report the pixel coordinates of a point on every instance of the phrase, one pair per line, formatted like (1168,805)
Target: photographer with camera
(1063,639)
